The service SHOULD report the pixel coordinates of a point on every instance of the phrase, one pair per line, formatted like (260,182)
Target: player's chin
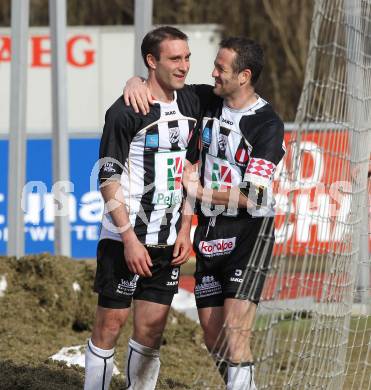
(178,84)
(218,90)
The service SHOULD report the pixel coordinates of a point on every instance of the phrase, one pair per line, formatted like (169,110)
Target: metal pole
(359,140)
(17,126)
(61,187)
(143,24)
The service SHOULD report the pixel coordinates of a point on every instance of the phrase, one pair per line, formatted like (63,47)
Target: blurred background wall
(281,26)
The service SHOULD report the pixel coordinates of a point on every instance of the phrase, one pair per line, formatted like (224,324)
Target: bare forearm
(115,205)
(187,213)
(231,196)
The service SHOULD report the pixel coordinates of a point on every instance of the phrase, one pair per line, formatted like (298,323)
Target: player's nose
(184,65)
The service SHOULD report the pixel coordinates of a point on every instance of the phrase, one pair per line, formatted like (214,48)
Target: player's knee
(149,336)
(108,325)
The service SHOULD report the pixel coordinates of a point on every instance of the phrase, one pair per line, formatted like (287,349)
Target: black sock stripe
(105,362)
(104,373)
(128,367)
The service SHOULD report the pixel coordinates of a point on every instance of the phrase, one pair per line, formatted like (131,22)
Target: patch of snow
(3,285)
(75,355)
(185,303)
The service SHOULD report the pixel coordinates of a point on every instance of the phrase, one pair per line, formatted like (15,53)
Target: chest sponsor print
(168,186)
(221,177)
(220,174)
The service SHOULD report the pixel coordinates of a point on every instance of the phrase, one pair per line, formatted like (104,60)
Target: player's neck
(158,92)
(242,99)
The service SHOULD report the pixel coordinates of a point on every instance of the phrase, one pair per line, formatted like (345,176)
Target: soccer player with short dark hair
(144,239)
(241,145)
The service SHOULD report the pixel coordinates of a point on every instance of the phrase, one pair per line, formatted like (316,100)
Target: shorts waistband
(202,220)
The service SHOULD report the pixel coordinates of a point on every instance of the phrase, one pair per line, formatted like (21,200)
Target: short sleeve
(193,149)
(268,150)
(118,133)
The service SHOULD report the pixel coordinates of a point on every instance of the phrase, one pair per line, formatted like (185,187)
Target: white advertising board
(99,60)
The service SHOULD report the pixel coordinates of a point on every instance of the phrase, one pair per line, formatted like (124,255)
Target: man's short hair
(151,42)
(249,55)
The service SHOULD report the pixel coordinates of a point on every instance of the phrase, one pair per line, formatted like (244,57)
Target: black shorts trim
(218,300)
(110,303)
(155,297)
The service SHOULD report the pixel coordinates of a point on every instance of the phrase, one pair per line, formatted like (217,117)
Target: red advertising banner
(313,190)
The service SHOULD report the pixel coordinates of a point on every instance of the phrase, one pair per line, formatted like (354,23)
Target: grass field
(40,313)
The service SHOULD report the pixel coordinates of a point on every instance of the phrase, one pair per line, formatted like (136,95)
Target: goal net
(313,325)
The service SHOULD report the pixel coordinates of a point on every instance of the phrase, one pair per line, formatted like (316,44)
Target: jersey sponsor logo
(174,135)
(208,287)
(221,177)
(168,187)
(108,167)
(174,173)
(228,122)
(238,280)
(222,246)
(127,287)
(237,276)
(168,199)
(151,141)
(206,136)
(169,113)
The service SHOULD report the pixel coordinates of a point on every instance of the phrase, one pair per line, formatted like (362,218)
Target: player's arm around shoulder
(137,95)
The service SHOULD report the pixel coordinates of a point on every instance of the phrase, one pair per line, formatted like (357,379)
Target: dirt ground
(41,312)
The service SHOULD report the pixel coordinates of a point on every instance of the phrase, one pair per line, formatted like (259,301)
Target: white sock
(241,377)
(98,367)
(142,367)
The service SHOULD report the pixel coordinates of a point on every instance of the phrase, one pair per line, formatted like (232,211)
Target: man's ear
(151,61)
(245,76)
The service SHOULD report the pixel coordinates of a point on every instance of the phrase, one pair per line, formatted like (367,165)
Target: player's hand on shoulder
(136,94)
(137,258)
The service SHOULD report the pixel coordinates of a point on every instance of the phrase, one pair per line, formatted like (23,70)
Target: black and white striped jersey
(149,152)
(239,146)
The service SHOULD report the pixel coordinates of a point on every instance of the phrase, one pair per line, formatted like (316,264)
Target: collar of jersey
(260,102)
(164,103)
